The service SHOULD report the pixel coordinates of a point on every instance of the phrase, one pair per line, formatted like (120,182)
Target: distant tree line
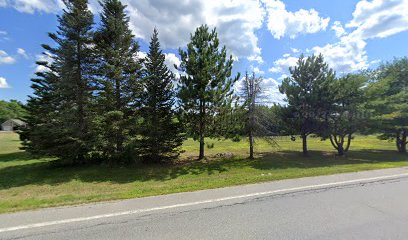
(99,101)
(12,109)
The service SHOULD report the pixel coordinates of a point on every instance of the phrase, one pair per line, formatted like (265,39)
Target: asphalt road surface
(365,205)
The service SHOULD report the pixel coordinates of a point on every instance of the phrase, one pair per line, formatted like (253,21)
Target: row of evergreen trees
(334,108)
(98,100)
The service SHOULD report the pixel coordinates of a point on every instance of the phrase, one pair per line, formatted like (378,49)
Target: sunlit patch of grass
(27,183)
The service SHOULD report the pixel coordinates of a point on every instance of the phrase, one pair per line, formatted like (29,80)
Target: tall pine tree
(118,86)
(308,95)
(388,95)
(206,86)
(60,109)
(162,132)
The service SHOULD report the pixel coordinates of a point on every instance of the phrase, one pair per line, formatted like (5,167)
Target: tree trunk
(348,142)
(201,156)
(251,145)
(402,142)
(304,141)
(340,150)
(340,144)
(201,130)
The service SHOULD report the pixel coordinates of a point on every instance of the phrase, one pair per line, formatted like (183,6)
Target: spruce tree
(161,135)
(118,88)
(61,106)
(206,86)
(41,134)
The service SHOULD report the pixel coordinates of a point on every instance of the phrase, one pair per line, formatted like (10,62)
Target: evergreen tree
(388,95)
(206,86)
(11,109)
(61,106)
(162,132)
(118,87)
(307,92)
(41,134)
(345,113)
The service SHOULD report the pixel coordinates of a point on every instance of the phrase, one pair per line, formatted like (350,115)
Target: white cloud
(170,61)
(141,55)
(282,77)
(271,92)
(5,58)
(338,29)
(32,6)
(295,50)
(282,64)
(3,83)
(283,23)
(371,19)
(347,55)
(379,18)
(236,22)
(3,35)
(22,52)
(256,70)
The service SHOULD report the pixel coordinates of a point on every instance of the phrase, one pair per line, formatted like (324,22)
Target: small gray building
(13,124)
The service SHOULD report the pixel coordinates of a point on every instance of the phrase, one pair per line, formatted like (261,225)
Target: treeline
(12,109)
(335,108)
(99,101)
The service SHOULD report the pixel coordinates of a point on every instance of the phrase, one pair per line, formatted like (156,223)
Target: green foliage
(388,94)
(345,114)
(161,135)
(61,106)
(11,110)
(206,85)
(118,86)
(307,90)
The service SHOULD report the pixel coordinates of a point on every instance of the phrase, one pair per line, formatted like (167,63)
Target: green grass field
(27,183)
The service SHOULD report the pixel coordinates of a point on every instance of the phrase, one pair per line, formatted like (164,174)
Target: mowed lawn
(27,183)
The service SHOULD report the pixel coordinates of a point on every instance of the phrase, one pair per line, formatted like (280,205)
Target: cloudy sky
(265,36)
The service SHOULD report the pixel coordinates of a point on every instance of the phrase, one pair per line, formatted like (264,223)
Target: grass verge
(28,183)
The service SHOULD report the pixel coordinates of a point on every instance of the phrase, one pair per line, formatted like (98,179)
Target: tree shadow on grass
(291,159)
(15,156)
(42,173)
(46,173)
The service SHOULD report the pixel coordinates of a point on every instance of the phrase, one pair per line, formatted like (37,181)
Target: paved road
(366,205)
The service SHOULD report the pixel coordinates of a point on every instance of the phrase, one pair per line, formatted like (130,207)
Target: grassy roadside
(27,183)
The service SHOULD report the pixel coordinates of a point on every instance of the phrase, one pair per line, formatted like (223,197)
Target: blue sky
(265,36)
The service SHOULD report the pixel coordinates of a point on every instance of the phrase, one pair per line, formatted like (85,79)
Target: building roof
(17,122)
